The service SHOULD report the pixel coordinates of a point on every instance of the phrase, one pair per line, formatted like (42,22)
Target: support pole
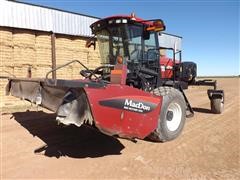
(53,37)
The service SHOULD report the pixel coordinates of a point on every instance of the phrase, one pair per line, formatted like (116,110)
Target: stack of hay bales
(43,50)
(6,60)
(5,71)
(80,53)
(70,48)
(64,54)
(21,49)
(6,47)
(93,55)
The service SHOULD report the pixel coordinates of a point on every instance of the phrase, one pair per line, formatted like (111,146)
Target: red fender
(124,111)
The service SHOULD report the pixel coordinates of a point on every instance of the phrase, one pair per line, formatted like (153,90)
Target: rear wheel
(217,105)
(172,115)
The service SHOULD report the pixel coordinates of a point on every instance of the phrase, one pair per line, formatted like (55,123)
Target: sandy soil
(33,146)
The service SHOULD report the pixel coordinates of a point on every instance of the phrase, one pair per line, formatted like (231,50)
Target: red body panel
(137,19)
(119,121)
(167,67)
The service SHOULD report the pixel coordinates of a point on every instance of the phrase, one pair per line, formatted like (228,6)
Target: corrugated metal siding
(27,16)
(39,18)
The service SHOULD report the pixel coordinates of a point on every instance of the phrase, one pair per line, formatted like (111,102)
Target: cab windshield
(126,41)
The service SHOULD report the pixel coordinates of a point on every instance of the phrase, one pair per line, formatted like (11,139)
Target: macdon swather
(137,92)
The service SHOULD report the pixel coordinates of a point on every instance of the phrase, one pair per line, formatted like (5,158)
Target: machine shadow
(202,110)
(71,141)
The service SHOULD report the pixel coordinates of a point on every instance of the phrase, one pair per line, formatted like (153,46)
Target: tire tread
(168,93)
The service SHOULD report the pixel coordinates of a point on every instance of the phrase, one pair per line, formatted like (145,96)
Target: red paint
(137,19)
(119,74)
(119,121)
(166,67)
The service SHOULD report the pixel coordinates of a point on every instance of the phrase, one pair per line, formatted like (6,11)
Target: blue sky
(210,29)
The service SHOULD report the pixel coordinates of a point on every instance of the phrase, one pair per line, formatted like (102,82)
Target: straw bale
(65,73)
(43,40)
(22,71)
(24,56)
(6,55)
(7,101)
(42,70)
(93,59)
(6,36)
(2,91)
(63,42)
(11,102)
(63,56)
(43,56)
(3,83)
(94,54)
(81,56)
(78,43)
(6,71)
(76,73)
(93,66)
(24,38)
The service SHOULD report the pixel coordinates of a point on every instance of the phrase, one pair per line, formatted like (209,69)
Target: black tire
(173,104)
(217,105)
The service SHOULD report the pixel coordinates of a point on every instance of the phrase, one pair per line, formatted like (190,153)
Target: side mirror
(91,42)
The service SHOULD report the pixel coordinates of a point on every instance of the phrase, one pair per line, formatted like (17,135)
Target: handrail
(64,65)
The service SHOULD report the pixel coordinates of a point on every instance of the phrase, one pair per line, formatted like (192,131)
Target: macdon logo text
(136,106)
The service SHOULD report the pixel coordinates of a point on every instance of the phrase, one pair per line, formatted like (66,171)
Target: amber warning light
(158,25)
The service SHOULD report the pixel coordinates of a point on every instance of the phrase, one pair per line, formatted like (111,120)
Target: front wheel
(172,115)
(217,105)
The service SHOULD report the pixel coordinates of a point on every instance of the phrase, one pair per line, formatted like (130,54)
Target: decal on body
(129,105)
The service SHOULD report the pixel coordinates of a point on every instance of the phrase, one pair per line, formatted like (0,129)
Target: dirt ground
(34,146)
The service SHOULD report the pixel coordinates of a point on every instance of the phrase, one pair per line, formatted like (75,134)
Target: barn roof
(34,17)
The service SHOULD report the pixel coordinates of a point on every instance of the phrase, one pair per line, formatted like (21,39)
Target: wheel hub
(173,116)
(169,115)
